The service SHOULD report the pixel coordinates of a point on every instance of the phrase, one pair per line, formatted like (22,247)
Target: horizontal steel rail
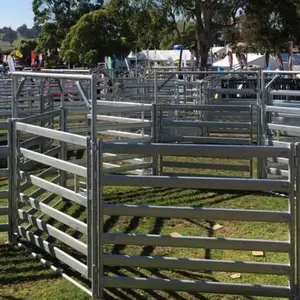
(54,162)
(195,242)
(120,119)
(109,157)
(288,129)
(125,134)
(196,213)
(3,210)
(222,183)
(205,140)
(120,126)
(54,251)
(119,169)
(209,124)
(54,188)
(281,109)
(183,164)
(3,195)
(209,107)
(287,93)
(53,134)
(59,271)
(52,75)
(53,232)
(118,103)
(220,74)
(196,286)
(66,70)
(277,171)
(233,91)
(54,213)
(4,227)
(196,150)
(123,109)
(41,117)
(195,264)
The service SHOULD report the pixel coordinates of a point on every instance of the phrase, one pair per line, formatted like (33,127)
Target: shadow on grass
(4,297)
(16,266)
(149,294)
(17,262)
(163,196)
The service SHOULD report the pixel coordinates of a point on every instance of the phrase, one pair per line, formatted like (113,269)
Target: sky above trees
(124,25)
(15,13)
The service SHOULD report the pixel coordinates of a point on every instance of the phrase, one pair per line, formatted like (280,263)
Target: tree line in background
(83,32)
(23,40)
(7,34)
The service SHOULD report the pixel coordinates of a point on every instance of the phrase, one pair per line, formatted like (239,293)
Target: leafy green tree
(209,17)
(48,39)
(269,25)
(184,34)
(206,19)
(29,33)
(143,25)
(9,36)
(25,47)
(94,36)
(71,56)
(36,31)
(58,16)
(22,30)
(91,58)
(64,13)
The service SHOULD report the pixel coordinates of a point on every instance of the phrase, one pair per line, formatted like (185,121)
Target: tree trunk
(203,34)
(203,53)
(202,50)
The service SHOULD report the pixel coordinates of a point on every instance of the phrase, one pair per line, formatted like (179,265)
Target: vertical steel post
(62,94)
(94,191)
(94,221)
(93,94)
(292,224)
(156,158)
(89,207)
(260,123)
(160,135)
(14,102)
(251,138)
(13,182)
(63,145)
(42,110)
(100,215)
(10,180)
(297,217)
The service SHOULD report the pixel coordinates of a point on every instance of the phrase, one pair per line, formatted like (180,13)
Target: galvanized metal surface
(133,109)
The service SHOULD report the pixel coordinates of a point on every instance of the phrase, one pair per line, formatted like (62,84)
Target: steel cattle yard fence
(131,139)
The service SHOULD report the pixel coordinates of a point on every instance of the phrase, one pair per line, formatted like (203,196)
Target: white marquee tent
(252,59)
(160,55)
(166,55)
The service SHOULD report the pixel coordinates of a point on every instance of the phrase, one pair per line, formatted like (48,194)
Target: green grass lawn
(21,277)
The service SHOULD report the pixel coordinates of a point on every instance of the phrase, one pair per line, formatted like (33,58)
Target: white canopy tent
(160,55)
(254,59)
